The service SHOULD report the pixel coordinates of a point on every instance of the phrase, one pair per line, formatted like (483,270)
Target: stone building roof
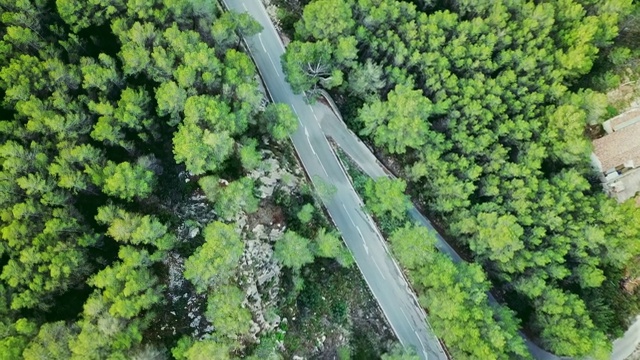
(619,148)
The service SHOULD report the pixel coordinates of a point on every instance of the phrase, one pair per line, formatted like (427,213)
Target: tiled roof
(619,147)
(625,119)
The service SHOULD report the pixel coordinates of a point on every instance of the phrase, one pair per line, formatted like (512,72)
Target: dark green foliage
(474,100)
(95,93)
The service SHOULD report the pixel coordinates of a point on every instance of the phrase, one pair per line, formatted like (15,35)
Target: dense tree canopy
(104,105)
(480,102)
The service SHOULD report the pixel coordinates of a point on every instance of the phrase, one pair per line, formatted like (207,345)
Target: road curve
(359,232)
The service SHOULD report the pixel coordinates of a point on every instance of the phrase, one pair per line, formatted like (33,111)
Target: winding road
(360,233)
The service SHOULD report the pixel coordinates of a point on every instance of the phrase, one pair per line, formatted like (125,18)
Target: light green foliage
(201,150)
(308,66)
(170,98)
(229,199)
(225,29)
(399,352)
(280,121)
(400,122)
(293,250)
(52,342)
(128,286)
(208,349)
(497,238)
(82,14)
(413,245)
(566,326)
(566,125)
(365,80)
(135,229)
(216,260)
(385,197)
(101,75)
(103,335)
(126,181)
(305,215)
(456,297)
(240,84)
(225,311)
(250,157)
(329,244)
(326,19)
(15,337)
(203,141)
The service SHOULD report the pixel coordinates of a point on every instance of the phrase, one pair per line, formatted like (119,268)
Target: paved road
(362,237)
(626,345)
(333,126)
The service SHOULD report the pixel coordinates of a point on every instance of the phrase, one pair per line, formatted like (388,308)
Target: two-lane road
(379,269)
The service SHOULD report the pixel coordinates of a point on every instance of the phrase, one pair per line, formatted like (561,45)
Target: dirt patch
(335,310)
(268,213)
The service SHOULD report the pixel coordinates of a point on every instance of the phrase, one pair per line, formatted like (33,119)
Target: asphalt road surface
(359,232)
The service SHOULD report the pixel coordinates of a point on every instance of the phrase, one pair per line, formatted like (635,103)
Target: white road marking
(314,113)
(261,43)
(347,211)
(421,344)
(295,111)
(309,141)
(245,7)
(366,248)
(405,315)
(272,63)
(323,169)
(380,271)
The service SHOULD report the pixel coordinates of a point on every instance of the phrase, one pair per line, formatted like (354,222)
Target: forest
(485,107)
(134,143)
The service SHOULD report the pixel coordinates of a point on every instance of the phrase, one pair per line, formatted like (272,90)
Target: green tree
(170,98)
(328,244)
(250,157)
(399,123)
(134,228)
(413,245)
(225,311)
(208,349)
(229,199)
(399,352)
(326,19)
(385,197)
(366,80)
(305,215)
(129,287)
(126,181)
(201,150)
(293,250)
(309,65)
(280,121)
(52,342)
(215,261)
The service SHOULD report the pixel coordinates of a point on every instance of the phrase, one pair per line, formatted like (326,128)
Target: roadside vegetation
(454,294)
(137,162)
(482,107)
